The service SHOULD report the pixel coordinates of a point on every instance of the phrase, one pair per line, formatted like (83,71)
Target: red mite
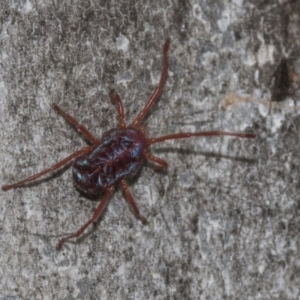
(118,155)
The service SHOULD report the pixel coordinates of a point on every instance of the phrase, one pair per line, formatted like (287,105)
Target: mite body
(117,155)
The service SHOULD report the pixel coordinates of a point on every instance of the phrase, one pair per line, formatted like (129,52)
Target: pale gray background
(224,219)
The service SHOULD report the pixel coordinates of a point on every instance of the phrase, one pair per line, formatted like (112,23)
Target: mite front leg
(115,98)
(74,122)
(158,90)
(183,135)
(162,163)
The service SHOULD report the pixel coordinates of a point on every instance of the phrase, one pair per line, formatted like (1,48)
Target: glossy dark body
(119,155)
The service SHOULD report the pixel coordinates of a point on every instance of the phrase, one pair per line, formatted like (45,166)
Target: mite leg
(157,91)
(182,135)
(74,122)
(94,217)
(162,163)
(115,98)
(132,202)
(53,168)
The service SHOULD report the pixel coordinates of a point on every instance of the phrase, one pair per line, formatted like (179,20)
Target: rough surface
(224,219)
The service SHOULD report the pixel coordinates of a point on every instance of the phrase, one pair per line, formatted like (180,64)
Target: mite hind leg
(46,171)
(132,202)
(96,214)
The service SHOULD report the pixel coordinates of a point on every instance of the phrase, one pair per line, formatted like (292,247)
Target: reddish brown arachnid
(118,155)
